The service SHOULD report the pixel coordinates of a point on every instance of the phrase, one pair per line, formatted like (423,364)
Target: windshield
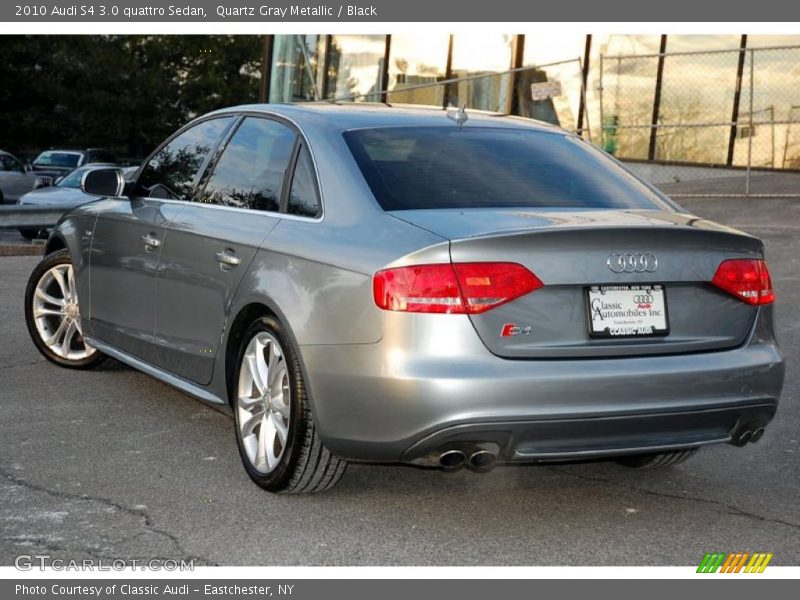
(446,167)
(58,159)
(73,180)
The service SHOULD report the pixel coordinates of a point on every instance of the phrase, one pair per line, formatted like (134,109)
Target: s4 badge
(511,329)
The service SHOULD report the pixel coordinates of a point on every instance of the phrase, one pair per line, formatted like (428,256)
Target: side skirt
(172,380)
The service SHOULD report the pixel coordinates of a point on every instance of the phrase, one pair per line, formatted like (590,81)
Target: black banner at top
(450,11)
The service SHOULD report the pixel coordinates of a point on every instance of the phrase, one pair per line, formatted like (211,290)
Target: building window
(417,61)
(355,67)
(549,89)
(482,55)
(296,68)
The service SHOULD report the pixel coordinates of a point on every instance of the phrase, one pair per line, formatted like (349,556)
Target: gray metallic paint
(388,386)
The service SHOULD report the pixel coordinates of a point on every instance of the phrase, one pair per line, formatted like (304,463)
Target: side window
(172,171)
(252,167)
(9,163)
(303,198)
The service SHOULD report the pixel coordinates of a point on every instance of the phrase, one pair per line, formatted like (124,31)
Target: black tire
(305,466)
(29,233)
(61,257)
(658,460)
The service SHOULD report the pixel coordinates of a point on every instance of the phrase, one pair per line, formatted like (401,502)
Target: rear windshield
(445,167)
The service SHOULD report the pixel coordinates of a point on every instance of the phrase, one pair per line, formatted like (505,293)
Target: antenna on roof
(459,117)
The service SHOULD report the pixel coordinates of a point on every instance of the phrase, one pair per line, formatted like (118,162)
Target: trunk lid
(569,251)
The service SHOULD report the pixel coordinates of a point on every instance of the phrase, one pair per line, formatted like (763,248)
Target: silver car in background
(66,194)
(364,283)
(17,178)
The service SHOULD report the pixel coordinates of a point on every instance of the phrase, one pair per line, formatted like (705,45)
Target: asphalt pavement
(111,463)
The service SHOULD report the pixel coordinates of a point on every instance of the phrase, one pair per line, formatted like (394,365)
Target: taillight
(462,288)
(746,278)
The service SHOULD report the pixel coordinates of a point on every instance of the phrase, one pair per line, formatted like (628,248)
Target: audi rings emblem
(644,299)
(632,262)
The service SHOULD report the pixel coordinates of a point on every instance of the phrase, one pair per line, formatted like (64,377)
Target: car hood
(476,222)
(52,171)
(59,196)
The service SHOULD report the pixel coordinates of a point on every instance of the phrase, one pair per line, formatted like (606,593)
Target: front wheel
(53,317)
(275,431)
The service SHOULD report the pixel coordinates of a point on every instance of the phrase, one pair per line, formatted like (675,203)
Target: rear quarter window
(410,168)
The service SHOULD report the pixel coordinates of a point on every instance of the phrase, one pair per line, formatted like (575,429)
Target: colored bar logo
(737,562)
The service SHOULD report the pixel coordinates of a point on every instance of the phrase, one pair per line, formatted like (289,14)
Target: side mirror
(107,181)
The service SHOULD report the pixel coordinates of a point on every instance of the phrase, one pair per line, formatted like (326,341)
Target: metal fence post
(602,118)
(737,95)
(651,150)
(750,137)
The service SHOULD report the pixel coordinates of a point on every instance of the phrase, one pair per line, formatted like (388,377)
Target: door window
(252,167)
(173,171)
(9,163)
(303,200)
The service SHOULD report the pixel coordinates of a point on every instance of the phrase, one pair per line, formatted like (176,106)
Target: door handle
(151,242)
(227,258)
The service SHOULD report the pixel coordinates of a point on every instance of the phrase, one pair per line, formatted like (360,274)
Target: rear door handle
(151,242)
(227,258)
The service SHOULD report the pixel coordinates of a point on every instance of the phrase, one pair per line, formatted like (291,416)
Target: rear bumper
(430,383)
(607,436)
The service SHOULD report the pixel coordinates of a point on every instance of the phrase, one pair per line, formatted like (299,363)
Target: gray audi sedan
(366,283)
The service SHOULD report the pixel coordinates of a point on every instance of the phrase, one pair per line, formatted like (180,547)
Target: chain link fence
(695,124)
(706,124)
(552,92)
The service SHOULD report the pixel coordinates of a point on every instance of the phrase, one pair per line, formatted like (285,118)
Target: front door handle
(226,258)
(151,242)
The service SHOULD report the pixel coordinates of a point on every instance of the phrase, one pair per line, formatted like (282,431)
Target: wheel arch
(248,312)
(55,243)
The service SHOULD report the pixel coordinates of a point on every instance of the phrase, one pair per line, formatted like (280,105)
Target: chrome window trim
(238,117)
(304,140)
(249,211)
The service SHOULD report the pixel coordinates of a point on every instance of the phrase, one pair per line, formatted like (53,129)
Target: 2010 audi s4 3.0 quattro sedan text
(366,283)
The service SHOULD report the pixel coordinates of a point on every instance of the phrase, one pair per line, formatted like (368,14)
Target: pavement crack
(730,508)
(20,364)
(134,512)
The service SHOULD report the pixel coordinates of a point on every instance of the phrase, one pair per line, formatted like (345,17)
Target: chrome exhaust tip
(757,435)
(452,460)
(482,461)
(744,437)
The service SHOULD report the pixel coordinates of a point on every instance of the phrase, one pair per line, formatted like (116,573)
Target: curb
(21,249)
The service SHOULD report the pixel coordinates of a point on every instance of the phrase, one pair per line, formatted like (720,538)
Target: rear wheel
(53,317)
(658,460)
(275,431)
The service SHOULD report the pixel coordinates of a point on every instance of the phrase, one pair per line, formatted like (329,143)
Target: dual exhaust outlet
(478,460)
(749,434)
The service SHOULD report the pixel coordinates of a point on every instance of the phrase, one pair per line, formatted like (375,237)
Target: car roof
(63,151)
(361,115)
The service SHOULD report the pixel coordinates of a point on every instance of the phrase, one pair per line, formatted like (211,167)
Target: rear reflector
(463,288)
(746,278)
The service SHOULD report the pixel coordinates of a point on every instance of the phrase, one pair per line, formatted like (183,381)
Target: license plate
(627,311)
